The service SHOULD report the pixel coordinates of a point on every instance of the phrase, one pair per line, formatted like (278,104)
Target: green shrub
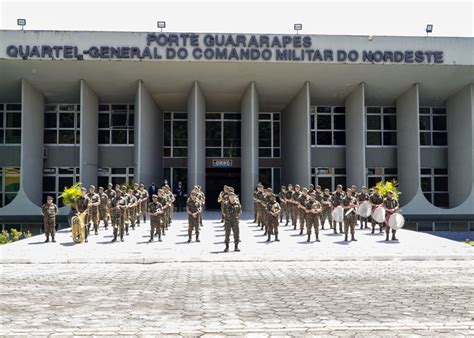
(13,236)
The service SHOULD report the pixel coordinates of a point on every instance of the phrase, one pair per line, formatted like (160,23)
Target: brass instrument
(78,227)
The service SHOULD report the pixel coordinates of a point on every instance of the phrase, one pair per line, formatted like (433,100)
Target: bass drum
(364,209)
(338,214)
(379,215)
(396,221)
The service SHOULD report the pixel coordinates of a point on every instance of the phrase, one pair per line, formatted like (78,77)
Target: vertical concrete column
(460,126)
(89,138)
(408,144)
(355,137)
(249,147)
(32,124)
(196,137)
(295,139)
(148,138)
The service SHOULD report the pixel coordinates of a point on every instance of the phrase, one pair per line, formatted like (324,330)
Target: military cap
(259,185)
(305,189)
(297,186)
(129,190)
(135,184)
(349,189)
(83,189)
(353,186)
(142,185)
(283,186)
(193,193)
(92,186)
(312,194)
(160,190)
(318,187)
(363,187)
(326,190)
(232,194)
(231,189)
(110,184)
(154,196)
(268,190)
(339,186)
(375,188)
(124,187)
(49,197)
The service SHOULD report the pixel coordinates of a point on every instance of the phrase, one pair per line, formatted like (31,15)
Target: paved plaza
(422,285)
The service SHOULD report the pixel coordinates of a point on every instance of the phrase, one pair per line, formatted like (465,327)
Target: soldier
(194,209)
(222,199)
(170,200)
(163,219)
(294,200)
(313,209)
(118,206)
(202,201)
(82,206)
(376,200)
(144,200)
(49,210)
(259,199)
(232,211)
(255,204)
(283,205)
(391,205)
(310,189)
(110,192)
(326,212)
(94,203)
(336,200)
(131,210)
(273,211)
(138,207)
(349,204)
(265,210)
(103,207)
(301,209)
(361,198)
(289,204)
(155,210)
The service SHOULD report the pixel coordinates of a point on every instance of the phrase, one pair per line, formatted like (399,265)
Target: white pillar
(295,137)
(148,138)
(355,137)
(408,144)
(89,139)
(196,137)
(249,147)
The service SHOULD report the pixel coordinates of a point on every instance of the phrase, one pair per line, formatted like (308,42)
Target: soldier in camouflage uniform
(283,205)
(103,207)
(361,198)
(82,206)
(266,201)
(259,199)
(301,209)
(232,211)
(49,210)
(138,209)
(222,199)
(349,204)
(155,210)
(326,205)
(289,204)
(94,203)
(118,206)
(391,206)
(164,204)
(144,201)
(170,200)
(313,209)
(202,201)
(273,211)
(194,209)
(336,200)
(376,200)
(255,204)
(294,200)
(110,192)
(132,210)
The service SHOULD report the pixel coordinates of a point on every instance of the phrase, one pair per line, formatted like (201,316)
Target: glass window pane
(339,138)
(13,120)
(231,152)
(50,120)
(104,120)
(425,123)
(167,152)
(67,107)
(104,107)
(131,136)
(440,139)
(424,110)
(372,181)
(276,134)
(213,134)
(340,122)
(13,106)
(118,180)
(426,184)
(276,152)
(440,171)
(167,133)
(373,110)
(50,136)
(122,107)
(64,182)
(439,110)
(180,152)
(425,171)
(265,176)
(313,122)
(66,137)
(324,122)
(425,139)
(339,171)
(439,122)
(340,110)
(324,138)
(213,116)
(389,139)
(264,134)
(13,136)
(9,198)
(325,182)
(374,138)
(313,138)
(1,136)
(428,197)
(264,116)
(104,137)
(131,119)
(374,122)
(231,116)
(180,133)
(119,137)
(441,200)
(231,134)
(66,120)
(340,180)
(167,116)
(49,183)
(264,152)
(180,116)
(213,152)
(119,119)
(440,183)
(1,119)
(390,122)
(325,109)
(389,110)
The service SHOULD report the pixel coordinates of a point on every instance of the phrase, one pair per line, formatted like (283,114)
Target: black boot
(189,239)
(226,247)
(317,238)
(151,239)
(121,237)
(197,238)
(236,248)
(301,232)
(47,239)
(345,238)
(387,238)
(52,239)
(268,239)
(309,238)
(276,238)
(353,239)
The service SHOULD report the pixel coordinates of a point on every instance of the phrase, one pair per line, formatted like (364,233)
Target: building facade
(214,109)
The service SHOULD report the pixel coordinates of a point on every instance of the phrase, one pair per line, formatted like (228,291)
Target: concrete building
(214,109)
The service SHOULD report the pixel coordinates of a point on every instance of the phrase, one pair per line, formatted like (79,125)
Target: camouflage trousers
(157,227)
(301,217)
(103,216)
(350,222)
(312,221)
(294,214)
(143,207)
(234,226)
(326,215)
(93,216)
(49,226)
(193,224)
(272,225)
(118,224)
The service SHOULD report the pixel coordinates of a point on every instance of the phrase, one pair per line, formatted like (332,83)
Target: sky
(382,17)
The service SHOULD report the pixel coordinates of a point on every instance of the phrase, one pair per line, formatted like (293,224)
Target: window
(328,126)
(375,175)
(115,176)
(61,124)
(269,135)
(9,184)
(175,134)
(434,184)
(56,179)
(270,177)
(175,175)
(116,124)
(328,177)
(381,126)
(433,129)
(10,123)
(222,135)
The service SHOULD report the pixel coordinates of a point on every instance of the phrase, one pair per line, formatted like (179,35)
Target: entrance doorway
(216,178)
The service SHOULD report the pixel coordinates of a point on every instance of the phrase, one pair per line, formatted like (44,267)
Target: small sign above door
(222,163)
